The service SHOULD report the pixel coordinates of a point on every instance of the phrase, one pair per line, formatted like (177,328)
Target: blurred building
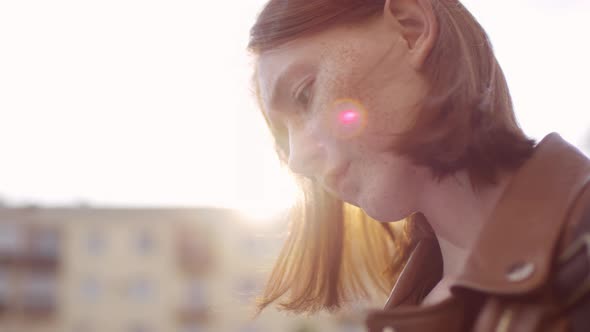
(132,270)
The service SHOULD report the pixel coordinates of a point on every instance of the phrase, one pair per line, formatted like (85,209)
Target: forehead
(274,66)
(280,66)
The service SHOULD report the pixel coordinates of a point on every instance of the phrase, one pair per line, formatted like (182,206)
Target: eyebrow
(277,92)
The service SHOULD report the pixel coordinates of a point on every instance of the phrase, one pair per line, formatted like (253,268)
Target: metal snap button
(388,329)
(520,271)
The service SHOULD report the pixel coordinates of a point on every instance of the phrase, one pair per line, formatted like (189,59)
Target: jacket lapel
(514,251)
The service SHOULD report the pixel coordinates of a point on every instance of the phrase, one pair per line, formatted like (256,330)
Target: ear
(418,24)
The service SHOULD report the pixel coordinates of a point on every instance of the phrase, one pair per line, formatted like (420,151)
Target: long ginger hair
(335,253)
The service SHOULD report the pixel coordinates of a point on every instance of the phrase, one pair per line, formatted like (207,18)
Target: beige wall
(107,282)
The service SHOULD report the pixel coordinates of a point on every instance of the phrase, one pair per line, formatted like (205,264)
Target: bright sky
(128,102)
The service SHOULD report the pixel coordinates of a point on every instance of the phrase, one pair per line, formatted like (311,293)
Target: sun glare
(268,203)
(269,211)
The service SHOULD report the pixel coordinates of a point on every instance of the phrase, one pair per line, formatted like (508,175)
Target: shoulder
(571,281)
(578,221)
(552,201)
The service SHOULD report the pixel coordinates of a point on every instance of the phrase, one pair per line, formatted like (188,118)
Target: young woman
(397,119)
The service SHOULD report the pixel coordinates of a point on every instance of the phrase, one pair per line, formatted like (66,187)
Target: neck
(457,213)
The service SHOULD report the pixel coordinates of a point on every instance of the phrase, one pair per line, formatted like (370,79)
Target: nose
(306,154)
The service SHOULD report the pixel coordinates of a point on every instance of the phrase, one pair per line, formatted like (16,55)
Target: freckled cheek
(343,120)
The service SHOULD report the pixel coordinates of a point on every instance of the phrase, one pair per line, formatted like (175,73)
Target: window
(45,244)
(12,242)
(196,297)
(250,245)
(5,289)
(145,242)
(246,289)
(90,289)
(39,293)
(194,308)
(95,243)
(141,290)
(259,246)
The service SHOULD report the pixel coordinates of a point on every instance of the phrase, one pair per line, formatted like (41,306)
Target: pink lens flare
(348,117)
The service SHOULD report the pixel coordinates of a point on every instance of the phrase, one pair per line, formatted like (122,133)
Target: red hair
(467,123)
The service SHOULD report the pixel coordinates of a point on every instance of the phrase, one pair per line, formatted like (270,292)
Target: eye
(303,95)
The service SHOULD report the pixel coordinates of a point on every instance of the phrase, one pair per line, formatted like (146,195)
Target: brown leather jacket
(517,278)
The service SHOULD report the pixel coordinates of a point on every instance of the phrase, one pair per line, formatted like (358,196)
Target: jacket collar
(514,250)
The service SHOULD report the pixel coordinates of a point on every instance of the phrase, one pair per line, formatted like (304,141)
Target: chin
(385,217)
(385,212)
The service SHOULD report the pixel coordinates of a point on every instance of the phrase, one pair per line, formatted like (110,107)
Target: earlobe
(419,26)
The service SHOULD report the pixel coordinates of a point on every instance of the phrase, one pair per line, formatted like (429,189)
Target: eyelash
(300,93)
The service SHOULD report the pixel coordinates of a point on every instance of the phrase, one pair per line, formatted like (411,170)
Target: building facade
(139,270)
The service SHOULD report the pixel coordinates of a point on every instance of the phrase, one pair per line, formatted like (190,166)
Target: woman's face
(341,96)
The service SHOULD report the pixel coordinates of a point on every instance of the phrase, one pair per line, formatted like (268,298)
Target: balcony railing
(38,294)
(30,246)
(44,247)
